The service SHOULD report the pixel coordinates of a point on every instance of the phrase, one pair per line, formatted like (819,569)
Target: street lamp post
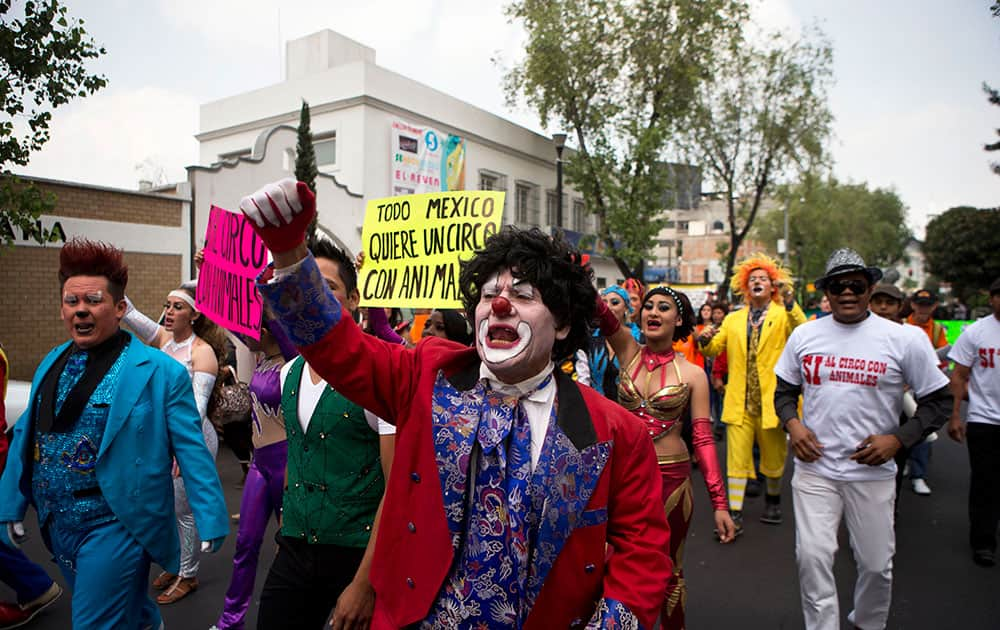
(785,253)
(559,139)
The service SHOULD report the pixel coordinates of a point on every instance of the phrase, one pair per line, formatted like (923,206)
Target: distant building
(912,272)
(688,248)
(372,127)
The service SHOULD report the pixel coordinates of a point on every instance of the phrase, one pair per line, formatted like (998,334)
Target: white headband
(183,295)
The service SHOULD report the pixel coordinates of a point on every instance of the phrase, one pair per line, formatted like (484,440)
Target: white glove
(145,328)
(280,213)
(15,534)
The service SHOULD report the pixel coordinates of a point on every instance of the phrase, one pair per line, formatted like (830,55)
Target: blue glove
(212,546)
(12,534)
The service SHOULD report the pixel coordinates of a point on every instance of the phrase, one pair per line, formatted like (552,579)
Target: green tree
(305,159)
(43,57)
(962,246)
(616,75)
(824,215)
(765,117)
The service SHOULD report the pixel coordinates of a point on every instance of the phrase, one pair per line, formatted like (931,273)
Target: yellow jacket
(732,337)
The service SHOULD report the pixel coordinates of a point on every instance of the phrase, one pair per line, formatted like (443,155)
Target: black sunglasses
(837,287)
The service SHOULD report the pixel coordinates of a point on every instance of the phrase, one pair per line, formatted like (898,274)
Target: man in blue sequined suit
(94,449)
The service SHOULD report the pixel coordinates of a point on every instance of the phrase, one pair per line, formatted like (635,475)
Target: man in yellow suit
(753,338)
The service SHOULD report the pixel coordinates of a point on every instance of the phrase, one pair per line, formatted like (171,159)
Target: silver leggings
(190,543)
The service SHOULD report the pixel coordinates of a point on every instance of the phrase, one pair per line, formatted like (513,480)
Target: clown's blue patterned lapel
(455,412)
(566,475)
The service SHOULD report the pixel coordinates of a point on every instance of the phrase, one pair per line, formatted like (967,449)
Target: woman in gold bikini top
(658,387)
(662,410)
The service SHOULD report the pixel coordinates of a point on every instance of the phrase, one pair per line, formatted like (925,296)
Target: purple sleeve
(379,324)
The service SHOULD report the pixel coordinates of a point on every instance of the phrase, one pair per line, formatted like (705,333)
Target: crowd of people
(527,462)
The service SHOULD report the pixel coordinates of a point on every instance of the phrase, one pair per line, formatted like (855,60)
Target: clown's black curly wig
(551,266)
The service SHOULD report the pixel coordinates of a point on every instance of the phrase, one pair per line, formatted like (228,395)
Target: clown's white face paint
(515,330)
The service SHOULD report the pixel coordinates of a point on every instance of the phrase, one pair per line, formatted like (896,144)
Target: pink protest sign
(234,256)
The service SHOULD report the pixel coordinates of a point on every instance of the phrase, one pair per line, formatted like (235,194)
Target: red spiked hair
(83,257)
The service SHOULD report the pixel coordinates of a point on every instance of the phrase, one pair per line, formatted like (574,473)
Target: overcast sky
(909,108)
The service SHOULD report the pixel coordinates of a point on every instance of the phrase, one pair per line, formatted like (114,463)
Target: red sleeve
(721,366)
(380,376)
(372,373)
(638,567)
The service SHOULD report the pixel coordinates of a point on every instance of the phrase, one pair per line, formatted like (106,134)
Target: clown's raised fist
(280,213)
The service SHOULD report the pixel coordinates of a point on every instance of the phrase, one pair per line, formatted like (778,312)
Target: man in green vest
(339,456)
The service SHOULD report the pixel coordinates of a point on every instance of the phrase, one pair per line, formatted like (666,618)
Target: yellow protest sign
(413,245)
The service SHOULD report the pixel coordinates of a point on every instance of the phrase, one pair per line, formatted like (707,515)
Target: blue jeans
(112,571)
(28,580)
(919,457)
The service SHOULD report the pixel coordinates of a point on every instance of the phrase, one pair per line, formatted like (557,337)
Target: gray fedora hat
(846,260)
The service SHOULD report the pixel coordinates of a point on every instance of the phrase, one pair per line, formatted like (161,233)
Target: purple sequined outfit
(263,489)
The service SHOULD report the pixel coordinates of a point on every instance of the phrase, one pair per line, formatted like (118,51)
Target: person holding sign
(339,456)
(517,497)
(660,388)
(198,344)
(93,451)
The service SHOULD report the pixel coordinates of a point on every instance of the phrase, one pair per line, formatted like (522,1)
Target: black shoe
(772,514)
(753,488)
(984,557)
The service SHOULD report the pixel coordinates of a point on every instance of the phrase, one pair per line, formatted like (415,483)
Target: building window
(682,226)
(718,226)
(491,180)
(326,152)
(488,180)
(602,282)
(526,203)
(579,218)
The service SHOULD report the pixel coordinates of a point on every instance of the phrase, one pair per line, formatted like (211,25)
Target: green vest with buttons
(335,479)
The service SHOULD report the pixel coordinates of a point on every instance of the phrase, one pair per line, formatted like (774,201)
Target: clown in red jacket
(517,498)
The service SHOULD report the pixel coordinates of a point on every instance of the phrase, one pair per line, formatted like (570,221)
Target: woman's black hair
(722,305)
(456,327)
(551,266)
(683,331)
(323,248)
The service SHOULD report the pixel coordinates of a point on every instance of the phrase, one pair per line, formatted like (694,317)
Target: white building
(249,140)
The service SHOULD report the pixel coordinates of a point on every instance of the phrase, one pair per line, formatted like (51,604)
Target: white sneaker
(920,487)
(930,439)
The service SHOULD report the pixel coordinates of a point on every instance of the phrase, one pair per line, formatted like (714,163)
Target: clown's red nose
(501,306)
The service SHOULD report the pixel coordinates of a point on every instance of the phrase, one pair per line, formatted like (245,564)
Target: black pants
(984,484)
(304,583)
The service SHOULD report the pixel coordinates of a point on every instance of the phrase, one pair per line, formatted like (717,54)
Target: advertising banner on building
(413,245)
(234,256)
(424,160)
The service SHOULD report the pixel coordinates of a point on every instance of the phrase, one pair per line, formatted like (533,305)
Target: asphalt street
(747,585)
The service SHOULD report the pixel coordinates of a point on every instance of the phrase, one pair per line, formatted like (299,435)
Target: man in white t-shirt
(850,370)
(977,355)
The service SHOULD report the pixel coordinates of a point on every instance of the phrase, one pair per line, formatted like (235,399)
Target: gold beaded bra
(661,410)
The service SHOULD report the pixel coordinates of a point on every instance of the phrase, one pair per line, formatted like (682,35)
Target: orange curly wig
(740,282)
